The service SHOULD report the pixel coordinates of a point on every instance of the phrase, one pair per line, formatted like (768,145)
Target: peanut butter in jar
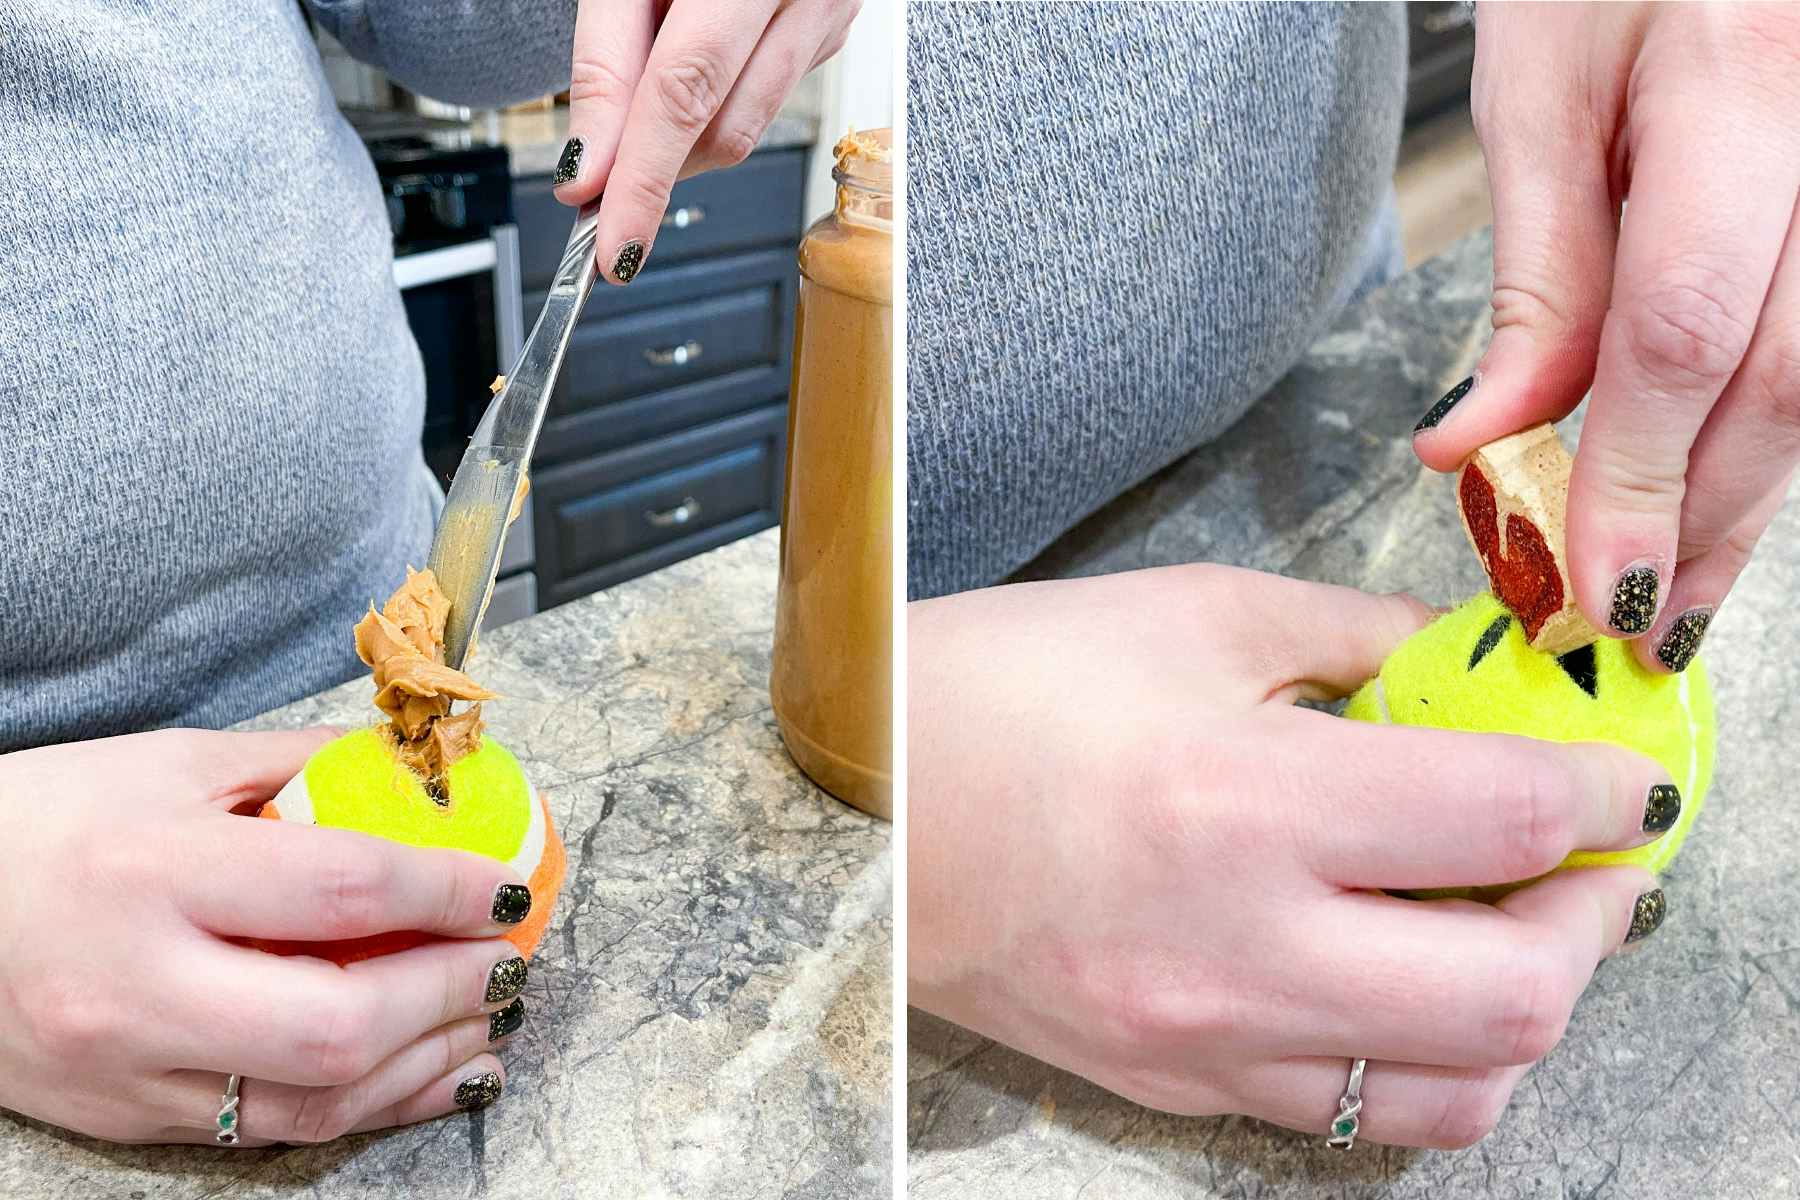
(833,658)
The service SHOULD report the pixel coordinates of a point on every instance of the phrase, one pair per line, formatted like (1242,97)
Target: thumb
(1555,231)
(248,768)
(612,44)
(1319,641)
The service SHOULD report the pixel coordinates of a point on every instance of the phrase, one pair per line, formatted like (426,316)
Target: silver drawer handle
(681,218)
(674,356)
(681,514)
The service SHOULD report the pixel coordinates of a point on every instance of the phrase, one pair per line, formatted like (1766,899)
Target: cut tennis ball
(426,778)
(1473,669)
(360,782)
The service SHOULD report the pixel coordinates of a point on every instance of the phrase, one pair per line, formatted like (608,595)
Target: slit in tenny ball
(1490,637)
(1580,665)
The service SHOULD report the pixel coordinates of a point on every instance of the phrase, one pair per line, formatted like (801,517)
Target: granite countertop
(535,137)
(1680,1073)
(709,1013)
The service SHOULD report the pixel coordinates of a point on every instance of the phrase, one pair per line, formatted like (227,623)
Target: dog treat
(1513,495)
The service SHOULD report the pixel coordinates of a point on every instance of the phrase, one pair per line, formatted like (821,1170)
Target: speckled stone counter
(1680,1074)
(535,137)
(709,1014)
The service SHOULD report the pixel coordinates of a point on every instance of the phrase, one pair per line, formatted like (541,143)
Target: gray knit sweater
(209,397)
(1124,222)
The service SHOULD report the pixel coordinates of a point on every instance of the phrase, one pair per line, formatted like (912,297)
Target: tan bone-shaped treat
(1514,496)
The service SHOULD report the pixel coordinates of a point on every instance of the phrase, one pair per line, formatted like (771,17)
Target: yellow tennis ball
(489,807)
(1473,670)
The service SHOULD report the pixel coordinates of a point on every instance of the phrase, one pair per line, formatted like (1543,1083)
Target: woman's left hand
(664,89)
(1684,318)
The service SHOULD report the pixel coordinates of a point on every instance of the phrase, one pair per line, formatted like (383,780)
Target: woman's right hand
(124,871)
(1133,856)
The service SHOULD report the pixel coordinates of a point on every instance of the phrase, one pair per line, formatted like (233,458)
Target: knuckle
(353,889)
(115,863)
(73,1025)
(1535,308)
(1536,818)
(691,87)
(1528,1016)
(836,41)
(462,985)
(1184,822)
(321,1115)
(465,897)
(593,79)
(642,193)
(336,1049)
(1155,1013)
(1738,545)
(1633,476)
(1708,508)
(729,147)
(1482,110)
(444,1051)
(181,748)
(1470,1112)
(1775,374)
(1688,328)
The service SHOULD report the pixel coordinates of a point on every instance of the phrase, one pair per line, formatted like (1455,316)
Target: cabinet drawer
(615,515)
(756,203)
(657,414)
(666,347)
(691,281)
(705,340)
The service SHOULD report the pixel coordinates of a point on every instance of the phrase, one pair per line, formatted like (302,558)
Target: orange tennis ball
(358,782)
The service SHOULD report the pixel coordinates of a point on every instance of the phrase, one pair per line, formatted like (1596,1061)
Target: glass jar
(832,669)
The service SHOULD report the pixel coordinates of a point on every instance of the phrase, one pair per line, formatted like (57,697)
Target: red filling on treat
(1525,577)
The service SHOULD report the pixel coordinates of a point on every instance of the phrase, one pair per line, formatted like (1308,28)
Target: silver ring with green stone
(228,1114)
(1343,1129)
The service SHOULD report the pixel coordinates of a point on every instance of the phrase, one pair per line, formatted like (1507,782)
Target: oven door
(455,305)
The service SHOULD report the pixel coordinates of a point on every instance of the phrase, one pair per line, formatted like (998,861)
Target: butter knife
(465,553)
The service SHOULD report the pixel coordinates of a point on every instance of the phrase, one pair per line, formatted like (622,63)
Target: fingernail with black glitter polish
(1662,809)
(1682,641)
(1648,915)
(1633,600)
(506,1021)
(1441,409)
(505,981)
(628,261)
(569,165)
(511,902)
(478,1091)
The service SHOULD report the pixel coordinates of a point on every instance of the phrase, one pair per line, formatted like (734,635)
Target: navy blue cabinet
(667,430)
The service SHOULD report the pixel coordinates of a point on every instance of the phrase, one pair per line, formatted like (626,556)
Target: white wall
(856,88)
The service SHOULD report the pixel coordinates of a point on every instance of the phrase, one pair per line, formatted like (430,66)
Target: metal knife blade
(465,553)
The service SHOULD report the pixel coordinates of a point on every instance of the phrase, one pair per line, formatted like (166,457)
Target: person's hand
(125,875)
(1133,856)
(664,89)
(1685,319)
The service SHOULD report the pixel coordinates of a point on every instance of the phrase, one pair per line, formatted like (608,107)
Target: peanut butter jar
(833,656)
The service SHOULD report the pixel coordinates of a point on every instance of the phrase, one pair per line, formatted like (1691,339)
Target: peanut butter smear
(404,645)
(871,146)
